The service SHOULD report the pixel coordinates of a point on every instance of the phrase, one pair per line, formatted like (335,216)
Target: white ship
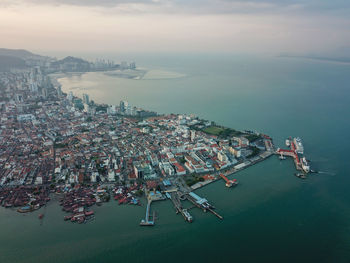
(287,142)
(187,215)
(305,165)
(298,145)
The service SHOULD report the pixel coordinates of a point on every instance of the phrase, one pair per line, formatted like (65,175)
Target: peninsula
(84,153)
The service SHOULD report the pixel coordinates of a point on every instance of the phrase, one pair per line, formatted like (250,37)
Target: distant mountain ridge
(72,64)
(21,58)
(17,58)
(316,57)
(19,53)
(9,62)
(71,59)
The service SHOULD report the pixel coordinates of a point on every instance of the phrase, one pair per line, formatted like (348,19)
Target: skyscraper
(59,91)
(193,135)
(86,98)
(44,92)
(123,106)
(70,96)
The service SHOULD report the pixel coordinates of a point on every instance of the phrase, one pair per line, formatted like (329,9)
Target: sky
(253,26)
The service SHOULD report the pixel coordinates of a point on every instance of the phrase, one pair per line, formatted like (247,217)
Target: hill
(71,64)
(19,53)
(9,62)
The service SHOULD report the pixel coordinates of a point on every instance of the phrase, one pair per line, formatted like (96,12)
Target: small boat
(300,175)
(282,157)
(25,209)
(41,216)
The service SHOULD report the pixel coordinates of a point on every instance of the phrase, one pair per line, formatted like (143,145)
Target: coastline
(185,192)
(231,172)
(180,148)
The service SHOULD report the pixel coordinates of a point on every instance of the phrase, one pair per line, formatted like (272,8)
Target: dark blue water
(272,216)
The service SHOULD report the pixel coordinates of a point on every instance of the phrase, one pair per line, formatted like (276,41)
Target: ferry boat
(287,142)
(231,183)
(305,165)
(25,209)
(299,148)
(187,215)
(146,223)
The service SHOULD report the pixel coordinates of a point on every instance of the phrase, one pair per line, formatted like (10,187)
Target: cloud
(202,6)
(175,25)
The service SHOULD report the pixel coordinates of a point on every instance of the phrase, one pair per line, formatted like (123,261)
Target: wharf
(176,201)
(300,164)
(147,221)
(235,169)
(205,206)
(178,207)
(215,213)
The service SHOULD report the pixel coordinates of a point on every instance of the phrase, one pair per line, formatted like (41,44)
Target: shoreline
(131,74)
(179,148)
(235,170)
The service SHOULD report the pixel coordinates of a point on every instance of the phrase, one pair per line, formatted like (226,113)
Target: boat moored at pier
(296,151)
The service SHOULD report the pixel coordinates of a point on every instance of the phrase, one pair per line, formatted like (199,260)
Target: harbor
(149,219)
(178,192)
(296,151)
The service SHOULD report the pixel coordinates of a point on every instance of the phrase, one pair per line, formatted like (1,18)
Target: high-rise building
(112,109)
(19,98)
(128,110)
(124,65)
(33,87)
(44,92)
(134,111)
(193,135)
(59,91)
(70,96)
(132,65)
(123,106)
(86,98)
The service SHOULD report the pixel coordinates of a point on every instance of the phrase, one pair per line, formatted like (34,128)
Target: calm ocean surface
(272,216)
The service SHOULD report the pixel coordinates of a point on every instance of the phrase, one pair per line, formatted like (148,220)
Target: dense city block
(56,142)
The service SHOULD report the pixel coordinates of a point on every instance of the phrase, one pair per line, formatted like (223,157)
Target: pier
(147,221)
(300,162)
(263,156)
(178,207)
(215,213)
(176,201)
(229,183)
(202,203)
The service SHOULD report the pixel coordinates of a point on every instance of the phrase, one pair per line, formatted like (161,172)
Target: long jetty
(178,207)
(205,206)
(147,221)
